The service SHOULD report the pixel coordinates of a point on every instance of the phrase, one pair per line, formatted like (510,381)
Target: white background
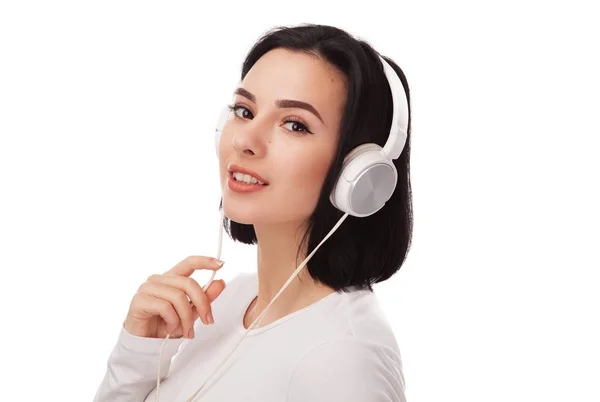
(108,174)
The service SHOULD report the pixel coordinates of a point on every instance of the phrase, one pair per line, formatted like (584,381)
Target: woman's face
(290,148)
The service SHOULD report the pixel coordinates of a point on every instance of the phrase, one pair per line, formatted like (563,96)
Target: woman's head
(299,152)
(291,149)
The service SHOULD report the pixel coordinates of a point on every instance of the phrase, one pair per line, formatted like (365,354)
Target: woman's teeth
(246,178)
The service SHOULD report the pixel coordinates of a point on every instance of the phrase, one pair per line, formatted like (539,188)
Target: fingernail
(217,263)
(209,318)
(191,333)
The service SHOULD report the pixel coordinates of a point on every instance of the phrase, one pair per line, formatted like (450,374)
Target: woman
(325,338)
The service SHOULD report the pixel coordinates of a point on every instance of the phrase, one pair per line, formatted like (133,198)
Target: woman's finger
(193,263)
(152,306)
(177,298)
(191,288)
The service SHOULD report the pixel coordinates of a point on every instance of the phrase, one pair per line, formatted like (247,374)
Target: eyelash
(305,128)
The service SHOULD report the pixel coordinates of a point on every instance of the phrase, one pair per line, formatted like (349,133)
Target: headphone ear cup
(223,117)
(366,182)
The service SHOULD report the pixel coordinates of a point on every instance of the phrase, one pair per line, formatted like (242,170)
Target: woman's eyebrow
(282,103)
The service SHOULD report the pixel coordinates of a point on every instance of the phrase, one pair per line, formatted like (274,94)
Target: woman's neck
(276,262)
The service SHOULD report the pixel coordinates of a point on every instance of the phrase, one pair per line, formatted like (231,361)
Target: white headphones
(368,176)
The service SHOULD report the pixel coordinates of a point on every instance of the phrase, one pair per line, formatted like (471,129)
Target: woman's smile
(242,183)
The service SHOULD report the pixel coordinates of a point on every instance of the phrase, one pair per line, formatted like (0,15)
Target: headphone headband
(399,128)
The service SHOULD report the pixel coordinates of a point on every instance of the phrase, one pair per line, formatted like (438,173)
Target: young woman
(325,338)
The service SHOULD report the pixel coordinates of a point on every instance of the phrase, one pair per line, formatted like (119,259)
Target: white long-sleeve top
(340,348)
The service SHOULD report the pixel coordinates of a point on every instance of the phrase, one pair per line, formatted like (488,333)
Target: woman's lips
(241,187)
(239,169)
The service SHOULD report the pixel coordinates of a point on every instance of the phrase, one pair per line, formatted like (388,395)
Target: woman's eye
(296,126)
(236,109)
(292,125)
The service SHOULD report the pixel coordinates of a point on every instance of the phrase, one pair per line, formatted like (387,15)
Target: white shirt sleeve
(132,367)
(350,371)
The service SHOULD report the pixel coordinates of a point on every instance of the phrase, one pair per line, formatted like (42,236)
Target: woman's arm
(132,367)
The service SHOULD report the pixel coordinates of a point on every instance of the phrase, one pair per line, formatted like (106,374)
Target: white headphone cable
(273,300)
(190,399)
(204,289)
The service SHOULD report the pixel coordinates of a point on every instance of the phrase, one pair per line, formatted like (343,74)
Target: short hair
(366,250)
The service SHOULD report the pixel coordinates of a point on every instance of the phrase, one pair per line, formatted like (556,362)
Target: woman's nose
(248,141)
(243,148)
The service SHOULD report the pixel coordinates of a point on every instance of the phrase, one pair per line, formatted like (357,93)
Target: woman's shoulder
(352,338)
(355,316)
(368,319)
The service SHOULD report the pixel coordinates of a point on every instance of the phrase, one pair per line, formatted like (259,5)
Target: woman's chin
(241,214)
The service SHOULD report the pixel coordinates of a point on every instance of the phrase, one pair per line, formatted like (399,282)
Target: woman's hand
(171,302)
